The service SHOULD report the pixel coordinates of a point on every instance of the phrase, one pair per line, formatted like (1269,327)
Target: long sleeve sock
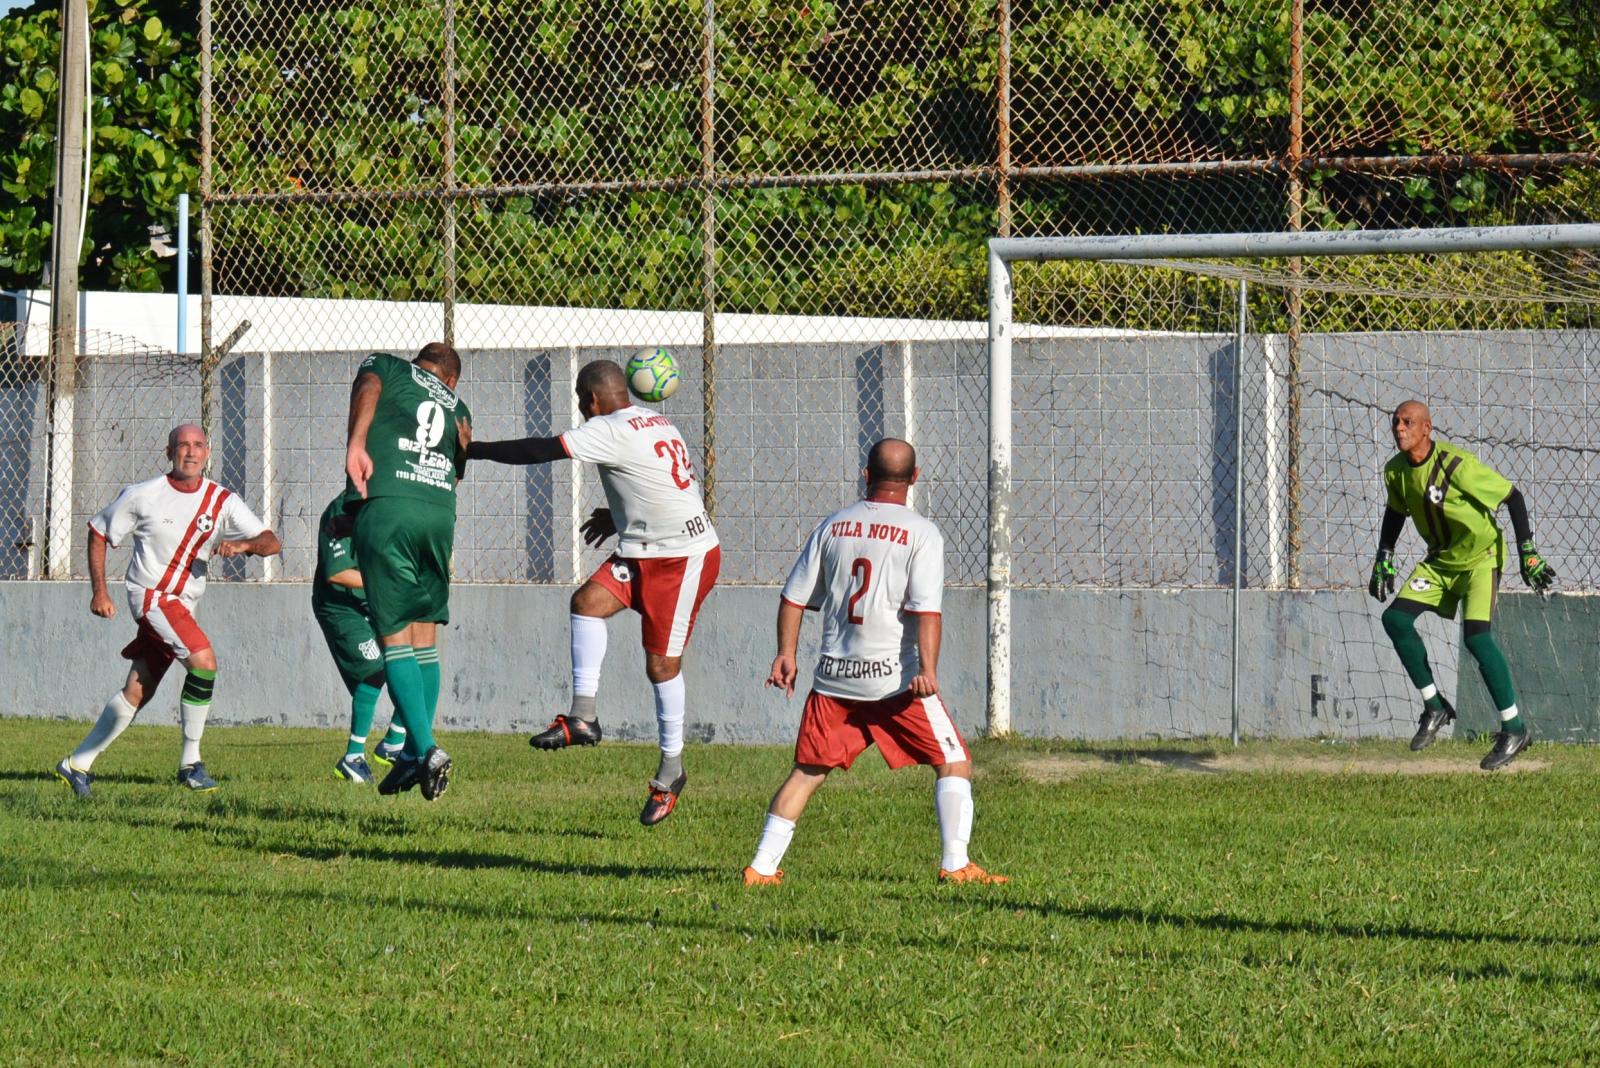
(588,653)
(428,664)
(363,707)
(193,706)
(410,703)
(669,728)
(952,799)
(775,838)
(114,719)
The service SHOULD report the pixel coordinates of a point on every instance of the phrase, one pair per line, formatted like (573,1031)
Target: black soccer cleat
(405,774)
(567,730)
(662,800)
(435,776)
(1506,747)
(1430,724)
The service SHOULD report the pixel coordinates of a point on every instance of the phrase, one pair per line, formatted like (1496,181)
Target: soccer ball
(652,374)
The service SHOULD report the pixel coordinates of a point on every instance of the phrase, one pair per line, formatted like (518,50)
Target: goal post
(1519,269)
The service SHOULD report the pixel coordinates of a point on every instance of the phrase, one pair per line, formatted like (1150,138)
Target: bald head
(189,452)
(1414,409)
(891,460)
(1412,428)
(443,360)
(185,432)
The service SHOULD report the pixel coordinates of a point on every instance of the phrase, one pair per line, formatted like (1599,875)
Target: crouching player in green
(1452,498)
(339,604)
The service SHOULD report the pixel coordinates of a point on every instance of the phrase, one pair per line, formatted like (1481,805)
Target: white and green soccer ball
(652,375)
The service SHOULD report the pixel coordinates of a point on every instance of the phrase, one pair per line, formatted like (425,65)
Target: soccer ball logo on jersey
(203,524)
(1435,495)
(1419,584)
(621,572)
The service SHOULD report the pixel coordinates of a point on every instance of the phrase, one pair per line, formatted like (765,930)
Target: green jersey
(335,553)
(412,440)
(1452,497)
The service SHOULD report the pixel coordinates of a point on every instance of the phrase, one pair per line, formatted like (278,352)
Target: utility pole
(66,245)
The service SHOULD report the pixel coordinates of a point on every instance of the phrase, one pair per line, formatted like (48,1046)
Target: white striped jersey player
(173,534)
(865,569)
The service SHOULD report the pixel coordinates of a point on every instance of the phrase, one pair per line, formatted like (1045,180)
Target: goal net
(1185,412)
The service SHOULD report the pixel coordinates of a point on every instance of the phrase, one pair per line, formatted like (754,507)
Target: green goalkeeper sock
(1497,677)
(410,704)
(363,706)
(1401,626)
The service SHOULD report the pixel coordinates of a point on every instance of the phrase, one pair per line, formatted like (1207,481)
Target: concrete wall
(1088,663)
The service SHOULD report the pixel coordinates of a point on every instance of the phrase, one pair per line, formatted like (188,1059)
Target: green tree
(144,148)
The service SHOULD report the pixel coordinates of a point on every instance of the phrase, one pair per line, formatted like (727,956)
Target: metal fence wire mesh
(795,198)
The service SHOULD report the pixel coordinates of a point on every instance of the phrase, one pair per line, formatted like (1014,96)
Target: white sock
(588,653)
(952,799)
(114,719)
(775,838)
(194,725)
(669,715)
(1429,690)
(1508,713)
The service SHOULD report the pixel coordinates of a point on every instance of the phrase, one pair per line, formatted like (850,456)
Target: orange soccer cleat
(970,874)
(755,878)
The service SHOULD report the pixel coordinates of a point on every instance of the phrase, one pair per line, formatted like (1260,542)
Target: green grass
(1155,915)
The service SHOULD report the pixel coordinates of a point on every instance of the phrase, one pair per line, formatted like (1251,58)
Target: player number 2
(860,571)
(430,424)
(673,450)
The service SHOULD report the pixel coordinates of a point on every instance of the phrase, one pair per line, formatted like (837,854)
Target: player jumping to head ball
(666,560)
(1451,497)
(875,572)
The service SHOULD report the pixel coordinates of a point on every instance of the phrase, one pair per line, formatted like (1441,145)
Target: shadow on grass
(1232,924)
(111,778)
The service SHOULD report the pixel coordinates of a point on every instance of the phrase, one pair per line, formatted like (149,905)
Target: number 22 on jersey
(673,449)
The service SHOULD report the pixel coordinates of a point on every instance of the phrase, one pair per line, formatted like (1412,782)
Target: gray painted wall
(1088,663)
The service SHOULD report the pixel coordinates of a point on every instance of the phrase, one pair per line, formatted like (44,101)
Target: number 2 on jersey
(860,571)
(674,450)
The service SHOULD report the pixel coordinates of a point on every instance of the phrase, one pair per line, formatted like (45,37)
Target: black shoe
(435,776)
(1430,723)
(406,773)
(662,800)
(1506,747)
(567,730)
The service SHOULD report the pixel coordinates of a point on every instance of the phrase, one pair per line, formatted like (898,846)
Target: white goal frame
(1005,251)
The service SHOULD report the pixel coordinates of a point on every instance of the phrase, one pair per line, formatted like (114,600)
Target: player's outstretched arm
(1381,584)
(364,396)
(100,602)
(518,451)
(784,671)
(1536,574)
(263,544)
(930,632)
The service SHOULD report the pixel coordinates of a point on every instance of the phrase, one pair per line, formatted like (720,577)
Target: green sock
(396,734)
(428,663)
(1434,703)
(405,690)
(363,706)
(1401,626)
(1496,676)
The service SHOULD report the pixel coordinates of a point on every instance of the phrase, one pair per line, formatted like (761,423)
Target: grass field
(1167,905)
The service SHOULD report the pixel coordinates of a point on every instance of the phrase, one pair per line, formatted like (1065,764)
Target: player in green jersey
(403,455)
(339,604)
(1452,497)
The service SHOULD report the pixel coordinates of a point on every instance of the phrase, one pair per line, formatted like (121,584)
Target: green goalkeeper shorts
(352,641)
(1443,591)
(404,546)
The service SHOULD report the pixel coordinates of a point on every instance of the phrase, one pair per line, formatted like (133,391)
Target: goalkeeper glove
(1383,573)
(1535,572)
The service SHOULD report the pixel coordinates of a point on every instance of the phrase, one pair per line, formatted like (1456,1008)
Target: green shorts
(404,546)
(1443,590)
(352,641)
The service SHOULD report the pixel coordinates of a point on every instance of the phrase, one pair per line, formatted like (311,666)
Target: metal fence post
(1238,497)
(999,580)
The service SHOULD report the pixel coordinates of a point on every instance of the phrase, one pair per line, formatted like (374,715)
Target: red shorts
(908,730)
(666,591)
(167,632)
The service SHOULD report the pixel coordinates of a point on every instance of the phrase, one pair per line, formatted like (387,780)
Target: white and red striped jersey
(173,533)
(870,570)
(650,484)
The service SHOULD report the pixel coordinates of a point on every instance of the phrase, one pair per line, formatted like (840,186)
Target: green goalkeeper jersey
(412,440)
(1452,497)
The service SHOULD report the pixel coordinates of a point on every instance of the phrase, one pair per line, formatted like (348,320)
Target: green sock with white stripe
(410,703)
(428,664)
(363,707)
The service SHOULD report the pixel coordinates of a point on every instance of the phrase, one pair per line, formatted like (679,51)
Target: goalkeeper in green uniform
(1452,497)
(339,604)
